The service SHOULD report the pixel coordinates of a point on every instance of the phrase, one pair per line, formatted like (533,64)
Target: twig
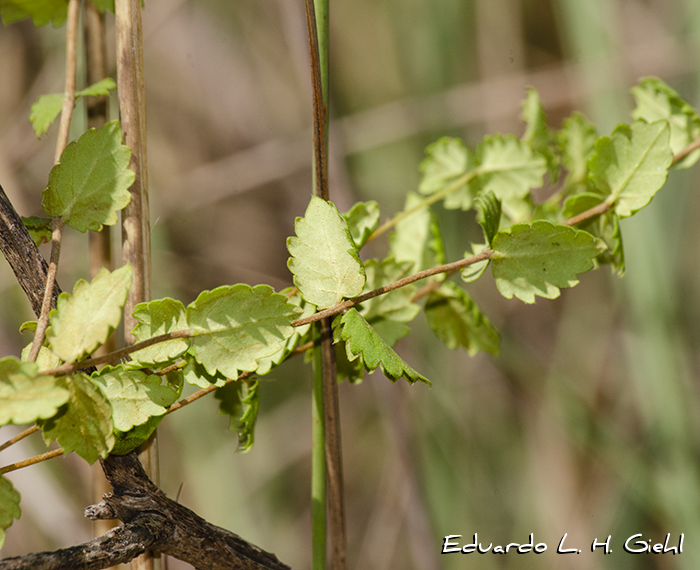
(345,305)
(31,461)
(19,437)
(203,392)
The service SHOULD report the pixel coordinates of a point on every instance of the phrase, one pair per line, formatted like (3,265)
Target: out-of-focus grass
(586,424)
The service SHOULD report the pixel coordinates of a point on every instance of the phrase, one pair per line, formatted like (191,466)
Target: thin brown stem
(71,367)
(686,151)
(19,437)
(203,392)
(345,305)
(71,67)
(31,461)
(588,214)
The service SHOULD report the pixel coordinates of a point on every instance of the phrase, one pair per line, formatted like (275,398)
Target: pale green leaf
(632,165)
(26,396)
(196,375)
(605,227)
(40,11)
(154,319)
(99,89)
(39,229)
(324,262)
(448,163)
(134,395)
(9,506)
(417,238)
(45,360)
(362,220)
(91,182)
(84,425)
(472,272)
(537,134)
(300,335)
(234,326)
(83,321)
(239,401)
(540,258)
(457,321)
(577,139)
(126,442)
(657,101)
(510,169)
(488,214)
(45,111)
(361,341)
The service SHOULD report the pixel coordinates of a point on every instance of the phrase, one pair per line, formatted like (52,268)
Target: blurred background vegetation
(586,424)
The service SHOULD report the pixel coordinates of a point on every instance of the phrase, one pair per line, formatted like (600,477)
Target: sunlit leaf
(84,424)
(134,395)
(99,89)
(324,262)
(540,258)
(83,321)
(196,374)
(510,169)
(154,319)
(26,396)
(657,101)
(9,506)
(234,326)
(417,238)
(457,320)
(91,182)
(239,401)
(362,220)
(447,164)
(40,11)
(45,111)
(537,134)
(577,140)
(361,341)
(631,165)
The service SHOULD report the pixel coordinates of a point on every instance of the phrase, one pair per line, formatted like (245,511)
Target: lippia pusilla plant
(229,337)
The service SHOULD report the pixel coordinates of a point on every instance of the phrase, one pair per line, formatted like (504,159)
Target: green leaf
(82,322)
(25,396)
(447,164)
(537,133)
(362,220)
(39,229)
(99,89)
(577,139)
(488,214)
(9,506)
(40,11)
(126,442)
(605,227)
(104,5)
(45,111)
(240,401)
(657,101)
(47,107)
(361,341)
(539,258)
(510,169)
(324,262)
(91,183)
(472,272)
(299,336)
(417,238)
(84,425)
(134,395)
(234,326)
(156,318)
(457,321)
(196,375)
(45,360)
(632,165)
